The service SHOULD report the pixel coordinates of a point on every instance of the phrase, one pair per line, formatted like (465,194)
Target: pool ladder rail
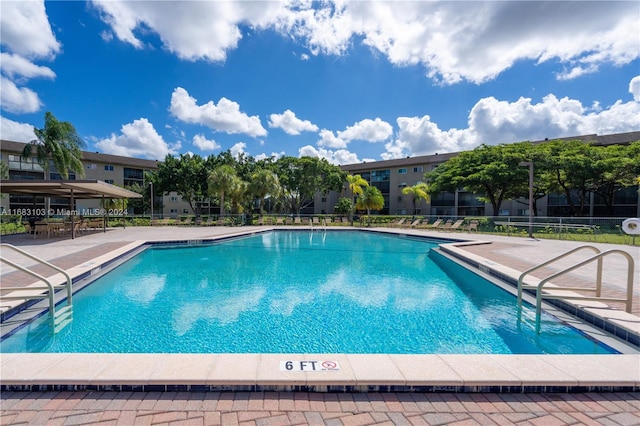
(58,318)
(556,292)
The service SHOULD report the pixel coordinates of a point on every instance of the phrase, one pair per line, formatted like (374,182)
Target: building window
(109,181)
(174,199)
(185,211)
(402,185)
(173,211)
(133,176)
(16,162)
(399,197)
(92,166)
(108,168)
(323,200)
(417,169)
(402,171)
(380,175)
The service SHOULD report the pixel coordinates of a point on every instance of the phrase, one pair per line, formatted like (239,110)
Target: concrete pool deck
(356,373)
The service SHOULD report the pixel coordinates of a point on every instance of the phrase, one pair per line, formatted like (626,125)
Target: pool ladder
(555,293)
(58,318)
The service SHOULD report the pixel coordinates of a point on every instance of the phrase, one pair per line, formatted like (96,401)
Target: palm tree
(222,180)
(59,142)
(238,192)
(370,199)
(264,182)
(355,183)
(417,192)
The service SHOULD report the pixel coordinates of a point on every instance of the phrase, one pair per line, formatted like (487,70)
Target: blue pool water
(297,292)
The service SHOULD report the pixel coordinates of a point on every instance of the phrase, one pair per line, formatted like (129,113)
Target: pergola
(71,189)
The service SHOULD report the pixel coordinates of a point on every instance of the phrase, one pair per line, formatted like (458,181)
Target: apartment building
(391,176)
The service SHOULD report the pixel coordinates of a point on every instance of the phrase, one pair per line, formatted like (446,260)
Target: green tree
(491,172)
(344,206)
(370,199)
(616,168)
(419,191)
(355,184)
(264,183)
(185,175)
(4,170)
(59,142)
(222,180)
(302,178)
(568,169)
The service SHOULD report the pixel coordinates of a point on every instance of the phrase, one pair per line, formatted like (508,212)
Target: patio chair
(472,226)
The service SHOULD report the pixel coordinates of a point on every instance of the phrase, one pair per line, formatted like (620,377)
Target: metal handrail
(628,300)
(43,262)
(49,285)
(521,285)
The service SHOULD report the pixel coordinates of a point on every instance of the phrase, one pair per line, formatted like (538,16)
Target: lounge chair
(414,223)
(297,221)
(434,225)
(453,226)
(446,225)
(280,221)
(186,222)
(397,223)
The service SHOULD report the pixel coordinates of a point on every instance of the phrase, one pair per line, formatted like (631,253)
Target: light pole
(151,186)
(530,165)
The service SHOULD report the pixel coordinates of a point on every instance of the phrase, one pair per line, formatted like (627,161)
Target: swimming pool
(298,292)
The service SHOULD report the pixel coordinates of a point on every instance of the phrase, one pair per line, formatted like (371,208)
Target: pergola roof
(66,189)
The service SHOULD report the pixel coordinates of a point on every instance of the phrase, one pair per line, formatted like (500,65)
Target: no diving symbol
(330,365)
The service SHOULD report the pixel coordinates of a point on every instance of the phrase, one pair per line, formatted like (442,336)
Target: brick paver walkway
(302,408)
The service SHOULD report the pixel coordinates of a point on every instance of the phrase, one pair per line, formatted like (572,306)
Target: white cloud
(367,130)
(25,29)
(138,139)
(290,124)
(224,117)
(26,34)
(492,121)
(191,30)
(237,149)
(15,65)
(205,144)
(453,41)
(634,88)
(274,155)
(13,131)
(18,99)
(338,157)
(328,139)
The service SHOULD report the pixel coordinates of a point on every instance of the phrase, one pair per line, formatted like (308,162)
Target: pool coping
(353,372)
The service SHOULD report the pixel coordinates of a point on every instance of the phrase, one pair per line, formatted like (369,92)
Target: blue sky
(347,81)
